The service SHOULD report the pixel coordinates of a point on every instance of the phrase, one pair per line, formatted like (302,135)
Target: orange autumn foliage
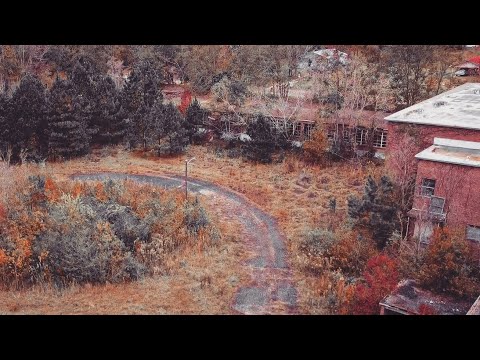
(3,258)
(3,213)
(100,192)
(78,189)
(51,190)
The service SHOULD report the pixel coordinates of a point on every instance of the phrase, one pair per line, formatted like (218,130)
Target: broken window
(428,187)
(380,138)
(361,136)
(473,233)
(436,205)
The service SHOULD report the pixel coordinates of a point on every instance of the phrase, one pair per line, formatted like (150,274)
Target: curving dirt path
(271,289)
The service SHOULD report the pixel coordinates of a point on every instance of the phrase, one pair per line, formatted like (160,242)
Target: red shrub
(185,101)
(381,276)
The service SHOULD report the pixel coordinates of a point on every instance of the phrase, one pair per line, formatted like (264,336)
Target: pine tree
(167,135)
(193,118)
(376,211)
(111,122)
(262,145)
(4,128)
(139,95)
(67,131)
(25,119)
(174,129)
(86,81)
(156,122)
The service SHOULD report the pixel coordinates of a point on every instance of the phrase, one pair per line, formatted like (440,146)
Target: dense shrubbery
(93,233)
(340,250)
(449,265)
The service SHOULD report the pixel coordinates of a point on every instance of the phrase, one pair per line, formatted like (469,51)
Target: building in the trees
(409,298)
(359,130)
(471,66)
(446,156)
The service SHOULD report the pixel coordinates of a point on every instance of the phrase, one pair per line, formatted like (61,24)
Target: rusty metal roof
(408,298)
(475,309)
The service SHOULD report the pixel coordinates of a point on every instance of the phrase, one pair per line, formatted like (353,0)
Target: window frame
(380,137)
(422,187)
(363,134)
(477,228)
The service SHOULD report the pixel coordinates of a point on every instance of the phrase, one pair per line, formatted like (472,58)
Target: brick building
(446,147)
(362,130)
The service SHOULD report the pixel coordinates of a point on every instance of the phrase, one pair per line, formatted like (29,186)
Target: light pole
(186,177)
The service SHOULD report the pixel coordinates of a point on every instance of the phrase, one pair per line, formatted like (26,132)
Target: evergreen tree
(193,118)
(67,132)
(86,81)
(4,128)
(262,145)
(139,95)
(376,211)
(167,135)
(111,122)
(25,119)
(174,130)
(156,119)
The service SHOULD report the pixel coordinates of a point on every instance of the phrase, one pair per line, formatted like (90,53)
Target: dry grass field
(294,193)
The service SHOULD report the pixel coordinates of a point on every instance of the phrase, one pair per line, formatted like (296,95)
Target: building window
(428,187)
(309,130)
(297,129)
(361,136)
(436,205)
(380,138)
(473,233)
(331,134)
(346,135)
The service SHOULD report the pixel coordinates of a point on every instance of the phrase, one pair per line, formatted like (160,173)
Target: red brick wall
(458,185)
(421,137)
(426,133)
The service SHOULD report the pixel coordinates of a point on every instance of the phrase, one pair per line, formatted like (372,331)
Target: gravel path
(270,290)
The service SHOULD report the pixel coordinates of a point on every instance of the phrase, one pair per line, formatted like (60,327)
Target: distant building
(362,130)
(447,132)
(333,56)
(471,66)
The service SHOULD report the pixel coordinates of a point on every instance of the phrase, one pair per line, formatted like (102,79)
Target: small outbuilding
(409,298)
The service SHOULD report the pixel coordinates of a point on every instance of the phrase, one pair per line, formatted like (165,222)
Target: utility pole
(186,177)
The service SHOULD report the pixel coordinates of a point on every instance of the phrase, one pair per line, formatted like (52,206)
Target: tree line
(85,108)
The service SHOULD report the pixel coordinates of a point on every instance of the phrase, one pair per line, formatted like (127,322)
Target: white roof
(459,107)
(452,152)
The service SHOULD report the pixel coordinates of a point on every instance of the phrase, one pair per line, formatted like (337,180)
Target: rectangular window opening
(428,187)
(473,233)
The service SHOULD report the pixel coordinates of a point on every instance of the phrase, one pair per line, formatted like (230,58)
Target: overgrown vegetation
(64,233)
(60,102)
